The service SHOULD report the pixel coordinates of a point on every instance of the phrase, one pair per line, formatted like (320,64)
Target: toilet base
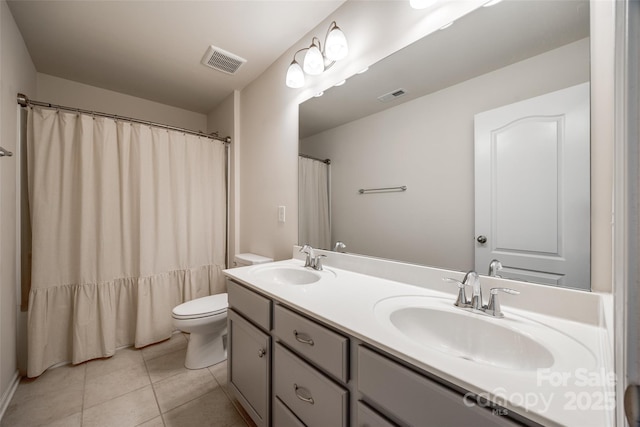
(205,350)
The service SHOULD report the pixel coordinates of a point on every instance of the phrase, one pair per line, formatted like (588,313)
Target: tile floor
(148,387)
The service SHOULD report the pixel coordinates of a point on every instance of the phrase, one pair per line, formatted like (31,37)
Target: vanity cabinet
(289,370)
(249,351)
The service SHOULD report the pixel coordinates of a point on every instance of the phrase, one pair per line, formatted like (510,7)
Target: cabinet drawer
(250,304)
(327,349)
(367,417)
(315,399)
(415,399)
(283,417)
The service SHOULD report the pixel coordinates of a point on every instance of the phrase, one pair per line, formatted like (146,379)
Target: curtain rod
(24,101)
(327,161)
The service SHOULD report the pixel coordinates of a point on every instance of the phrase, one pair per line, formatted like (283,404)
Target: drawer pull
(301,338)
(261,352)
(301,397)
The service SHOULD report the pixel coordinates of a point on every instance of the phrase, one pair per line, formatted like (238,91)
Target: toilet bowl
(205,319)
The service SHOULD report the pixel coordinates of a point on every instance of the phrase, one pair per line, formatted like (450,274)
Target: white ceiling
(153,49)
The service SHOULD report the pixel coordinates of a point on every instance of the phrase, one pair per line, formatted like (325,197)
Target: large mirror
(408,130)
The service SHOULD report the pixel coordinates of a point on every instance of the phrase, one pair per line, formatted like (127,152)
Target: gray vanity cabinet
(249,352)
(289,370)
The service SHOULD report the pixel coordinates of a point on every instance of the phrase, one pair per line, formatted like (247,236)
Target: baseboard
(8,394)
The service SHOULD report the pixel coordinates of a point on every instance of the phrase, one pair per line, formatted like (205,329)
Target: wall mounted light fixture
(316,59)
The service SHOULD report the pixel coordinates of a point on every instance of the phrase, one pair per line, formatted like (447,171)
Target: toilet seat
(201,307)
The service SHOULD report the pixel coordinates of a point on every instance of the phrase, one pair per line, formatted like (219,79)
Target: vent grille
(392,95)
(221,60)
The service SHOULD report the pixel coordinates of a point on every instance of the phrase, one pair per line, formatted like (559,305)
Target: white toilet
(205,319)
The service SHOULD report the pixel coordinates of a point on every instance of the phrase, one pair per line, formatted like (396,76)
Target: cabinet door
(249,367)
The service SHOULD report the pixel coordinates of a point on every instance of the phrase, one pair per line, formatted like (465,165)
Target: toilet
(205,319)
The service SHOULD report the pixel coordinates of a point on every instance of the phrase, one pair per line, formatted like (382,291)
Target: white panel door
(532,188)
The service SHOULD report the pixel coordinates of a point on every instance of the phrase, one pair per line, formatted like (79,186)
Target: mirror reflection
(486,126)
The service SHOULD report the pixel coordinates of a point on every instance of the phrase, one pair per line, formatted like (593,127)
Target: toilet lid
(201,307)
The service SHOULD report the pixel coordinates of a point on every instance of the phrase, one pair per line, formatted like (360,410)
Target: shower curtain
(314,211)
(128,221)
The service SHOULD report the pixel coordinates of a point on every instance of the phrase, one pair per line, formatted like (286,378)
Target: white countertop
(572,393)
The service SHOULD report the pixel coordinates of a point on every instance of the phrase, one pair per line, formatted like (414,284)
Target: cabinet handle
(303,398)
(302,339)
(261,352)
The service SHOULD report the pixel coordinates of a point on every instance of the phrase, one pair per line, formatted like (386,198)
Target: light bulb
(422,4)
(313,61)
(295,76)
(336,47)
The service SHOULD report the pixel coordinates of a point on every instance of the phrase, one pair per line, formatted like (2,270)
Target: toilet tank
(245,259)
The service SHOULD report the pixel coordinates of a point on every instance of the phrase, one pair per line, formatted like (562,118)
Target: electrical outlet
(281,213)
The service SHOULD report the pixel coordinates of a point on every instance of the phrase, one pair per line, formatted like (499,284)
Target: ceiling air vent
(221,60)
(392,95)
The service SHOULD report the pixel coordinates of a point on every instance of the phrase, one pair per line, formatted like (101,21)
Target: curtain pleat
(128,221)
(313,188)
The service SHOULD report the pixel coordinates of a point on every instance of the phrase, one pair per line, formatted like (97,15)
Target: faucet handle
(494,291)
(462,300)
(318,261)
(493,308)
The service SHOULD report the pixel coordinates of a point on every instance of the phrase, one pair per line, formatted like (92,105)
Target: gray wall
(17,74)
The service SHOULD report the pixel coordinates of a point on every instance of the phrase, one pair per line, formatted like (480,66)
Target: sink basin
(288,275)
(471,338)
(513,342)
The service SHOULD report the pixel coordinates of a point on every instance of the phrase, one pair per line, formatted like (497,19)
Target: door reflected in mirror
(425,140)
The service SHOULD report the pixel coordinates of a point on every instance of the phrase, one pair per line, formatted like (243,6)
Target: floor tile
(166,366)
(130,409)
(118,392)
(124,358)
(52,381)
(156,422)
(213,410)
(43,408)
(183,387)
(117,383)
(175,343)
(73,420)
(219,372)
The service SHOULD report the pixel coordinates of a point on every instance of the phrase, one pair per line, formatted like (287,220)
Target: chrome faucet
(494,267)
(476,305)
(312,260)
(339,246)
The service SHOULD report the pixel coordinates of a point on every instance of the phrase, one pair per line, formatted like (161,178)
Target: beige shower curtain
(313,197)
(128,221)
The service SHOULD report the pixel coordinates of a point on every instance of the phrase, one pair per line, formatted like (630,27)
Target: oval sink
(461,336)
(514,342)
(288,275)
